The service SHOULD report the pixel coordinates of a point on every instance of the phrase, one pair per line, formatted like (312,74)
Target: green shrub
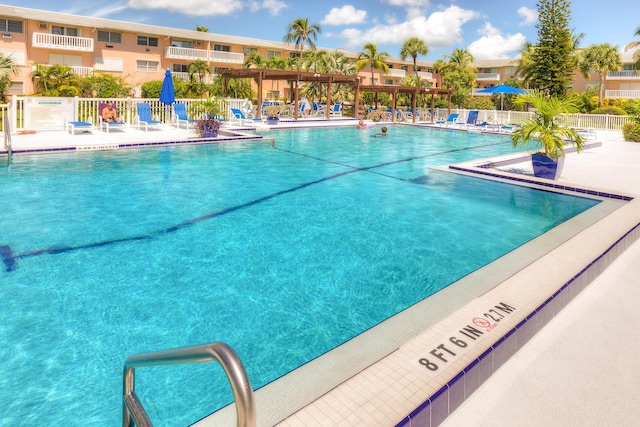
(631,131)
(614,111)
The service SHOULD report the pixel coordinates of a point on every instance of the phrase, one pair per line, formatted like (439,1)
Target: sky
(489,29)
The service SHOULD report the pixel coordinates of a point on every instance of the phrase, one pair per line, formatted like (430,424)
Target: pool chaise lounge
(72,127)
(143,117)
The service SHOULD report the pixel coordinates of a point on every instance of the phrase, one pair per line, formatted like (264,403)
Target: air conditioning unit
(6,35)
(198,42)
(42,26)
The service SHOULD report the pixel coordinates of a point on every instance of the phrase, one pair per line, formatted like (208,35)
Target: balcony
(623,75)
(174,52)
(396,72)
(488,76)
(57,41)
(425,75)
(629,94)
(78,71)
(226,57)
(185,76)
(17,56)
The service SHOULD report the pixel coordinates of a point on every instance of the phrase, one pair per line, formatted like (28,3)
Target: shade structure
(167,93)
(502,89)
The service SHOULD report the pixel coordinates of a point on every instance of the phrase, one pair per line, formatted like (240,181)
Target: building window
(182,43)
(222,48)
(7,25)
(147,66)
(64,31)
(249,50)
(109,37)
(147,41)
(388,81)
(180,68)
(272,53)
(294,54)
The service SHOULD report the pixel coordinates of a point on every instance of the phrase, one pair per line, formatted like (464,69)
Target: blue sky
(489,29)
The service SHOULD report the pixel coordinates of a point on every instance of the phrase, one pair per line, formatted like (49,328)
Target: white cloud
(529,16)
(440,29)
(494,45)
(345,15)
(413,7)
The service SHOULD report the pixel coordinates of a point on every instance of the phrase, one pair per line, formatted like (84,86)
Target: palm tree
(370,57)
(202,28)
(601,58)
(635,45)
(546,125)
(55,80)
(413,47)
(459,74)
(300,32)
(255,59)
(7,69)
(198,70)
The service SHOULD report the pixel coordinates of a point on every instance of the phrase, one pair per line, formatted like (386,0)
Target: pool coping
(396,390)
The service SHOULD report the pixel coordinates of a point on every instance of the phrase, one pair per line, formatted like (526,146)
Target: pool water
(283,251)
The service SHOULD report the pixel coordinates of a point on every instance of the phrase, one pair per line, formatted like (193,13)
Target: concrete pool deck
(577,370)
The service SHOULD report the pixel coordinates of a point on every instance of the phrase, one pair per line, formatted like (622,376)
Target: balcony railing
(622,93)
(396,72)
(57,41)
(17,56)
(175,52)
(488,76)
(425,75)
(623,75)
(78,71)
(228,57)
(185,76)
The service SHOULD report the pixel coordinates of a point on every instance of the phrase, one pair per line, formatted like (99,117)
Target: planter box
(546,167)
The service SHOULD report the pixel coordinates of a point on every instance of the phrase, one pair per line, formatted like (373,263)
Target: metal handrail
(132,410)
(7,137)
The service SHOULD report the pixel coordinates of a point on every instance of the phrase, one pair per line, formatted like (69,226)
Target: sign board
(47,113)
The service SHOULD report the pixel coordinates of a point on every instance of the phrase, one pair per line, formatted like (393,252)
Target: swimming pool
(284,252)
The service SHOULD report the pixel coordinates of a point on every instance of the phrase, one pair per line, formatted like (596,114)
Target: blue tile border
(538,182)
(473,376)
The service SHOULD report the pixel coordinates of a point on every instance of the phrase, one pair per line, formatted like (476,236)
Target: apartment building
(139,53)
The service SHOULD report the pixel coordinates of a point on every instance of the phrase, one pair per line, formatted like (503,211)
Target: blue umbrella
(167,93)
(502,89)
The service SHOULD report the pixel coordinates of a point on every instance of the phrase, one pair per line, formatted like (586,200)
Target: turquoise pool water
(284,252)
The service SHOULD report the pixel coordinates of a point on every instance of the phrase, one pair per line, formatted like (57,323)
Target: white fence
(86,108)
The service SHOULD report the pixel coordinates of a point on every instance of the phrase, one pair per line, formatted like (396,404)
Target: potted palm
(209,113)
(273,113)
(547,129)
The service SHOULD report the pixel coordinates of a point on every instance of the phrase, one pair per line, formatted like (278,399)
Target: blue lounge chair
(472,118)
(72,127)
(318,109)
(239,115)
(449,120)
(336,110)
(108,118)
(180,116)
(143,111)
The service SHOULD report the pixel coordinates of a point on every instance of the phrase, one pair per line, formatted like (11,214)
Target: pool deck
(561,350)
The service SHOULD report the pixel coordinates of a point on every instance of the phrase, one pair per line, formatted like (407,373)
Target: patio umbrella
(502,89)
(167,93)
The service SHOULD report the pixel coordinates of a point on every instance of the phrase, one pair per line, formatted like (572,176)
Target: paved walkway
(581,369)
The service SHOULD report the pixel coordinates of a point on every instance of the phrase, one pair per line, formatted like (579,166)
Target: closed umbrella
(167,93)
(502,89)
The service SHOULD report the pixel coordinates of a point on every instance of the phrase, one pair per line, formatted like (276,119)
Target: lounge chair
(336,110)
(180,116)
(143,117)
(239,115)
(109,118)
(318,109)
(472,119)
(453,117)
(72,127)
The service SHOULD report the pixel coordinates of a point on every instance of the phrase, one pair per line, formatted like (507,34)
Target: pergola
(296,77)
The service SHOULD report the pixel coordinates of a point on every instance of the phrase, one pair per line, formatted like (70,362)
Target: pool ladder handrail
(132,410)
(7,137)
